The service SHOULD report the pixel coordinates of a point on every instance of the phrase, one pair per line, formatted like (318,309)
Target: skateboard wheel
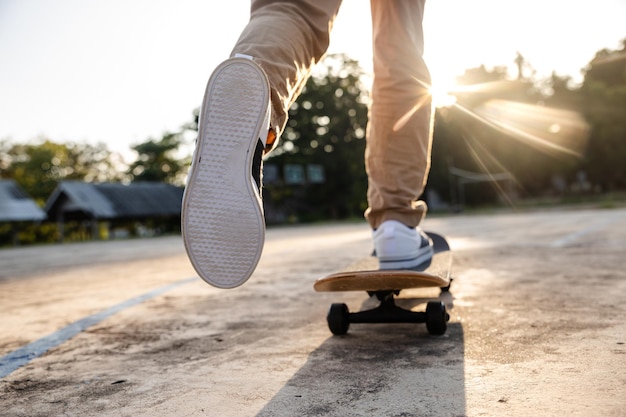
(338,319)
(436,317)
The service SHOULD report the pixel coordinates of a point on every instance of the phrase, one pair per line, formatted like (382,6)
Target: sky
(125,71)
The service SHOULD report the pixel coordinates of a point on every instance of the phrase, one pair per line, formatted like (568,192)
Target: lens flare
(546,129)
(486,108)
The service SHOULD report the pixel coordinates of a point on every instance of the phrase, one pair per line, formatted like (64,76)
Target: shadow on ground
(379,369)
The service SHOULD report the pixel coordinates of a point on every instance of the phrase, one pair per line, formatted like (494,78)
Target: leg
(222,213)
(287,39)
(399,131)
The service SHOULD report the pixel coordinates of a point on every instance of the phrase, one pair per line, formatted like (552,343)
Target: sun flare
(440,92)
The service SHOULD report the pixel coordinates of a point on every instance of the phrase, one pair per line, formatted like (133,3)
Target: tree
(326,128)
(157,160)
(603,96)
(39,167)
(523,128)
(561,93)
(463,137)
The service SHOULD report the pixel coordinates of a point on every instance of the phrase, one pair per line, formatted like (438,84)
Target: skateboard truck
(435,316)
(385,285)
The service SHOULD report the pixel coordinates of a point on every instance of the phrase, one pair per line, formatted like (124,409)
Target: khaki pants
(287,38)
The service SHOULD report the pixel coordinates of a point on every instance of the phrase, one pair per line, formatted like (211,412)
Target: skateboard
(385,285)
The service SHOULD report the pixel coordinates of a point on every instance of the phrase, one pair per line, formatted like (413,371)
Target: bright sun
(440,93)
(441,97)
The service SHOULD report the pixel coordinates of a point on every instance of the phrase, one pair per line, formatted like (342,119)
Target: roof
(114,200)
(16,205)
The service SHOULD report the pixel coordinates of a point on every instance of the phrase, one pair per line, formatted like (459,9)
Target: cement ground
(537,327)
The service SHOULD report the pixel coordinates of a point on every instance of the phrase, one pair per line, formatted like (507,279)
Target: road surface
(124,328)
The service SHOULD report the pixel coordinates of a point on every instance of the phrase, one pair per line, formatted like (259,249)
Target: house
(17,207)
(114,203)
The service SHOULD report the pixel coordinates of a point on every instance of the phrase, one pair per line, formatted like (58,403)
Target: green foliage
(39,167)
(507,128)
(527,128)
(156,160)
(604,105)
(27,233)
(463,138)
(160,160)
(326,127)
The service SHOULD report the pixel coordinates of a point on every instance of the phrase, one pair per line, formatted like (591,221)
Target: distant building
(113,202)
(17,207)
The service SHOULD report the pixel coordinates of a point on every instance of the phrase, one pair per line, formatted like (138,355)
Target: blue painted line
(27,353)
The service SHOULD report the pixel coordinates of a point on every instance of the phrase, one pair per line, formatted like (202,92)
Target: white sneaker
(222,222)
(398,246)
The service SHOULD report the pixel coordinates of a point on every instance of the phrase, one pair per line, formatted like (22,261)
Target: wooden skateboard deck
(385,284)
(363,275)
(435,275)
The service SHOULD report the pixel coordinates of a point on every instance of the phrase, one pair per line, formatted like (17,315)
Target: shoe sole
(222,220)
